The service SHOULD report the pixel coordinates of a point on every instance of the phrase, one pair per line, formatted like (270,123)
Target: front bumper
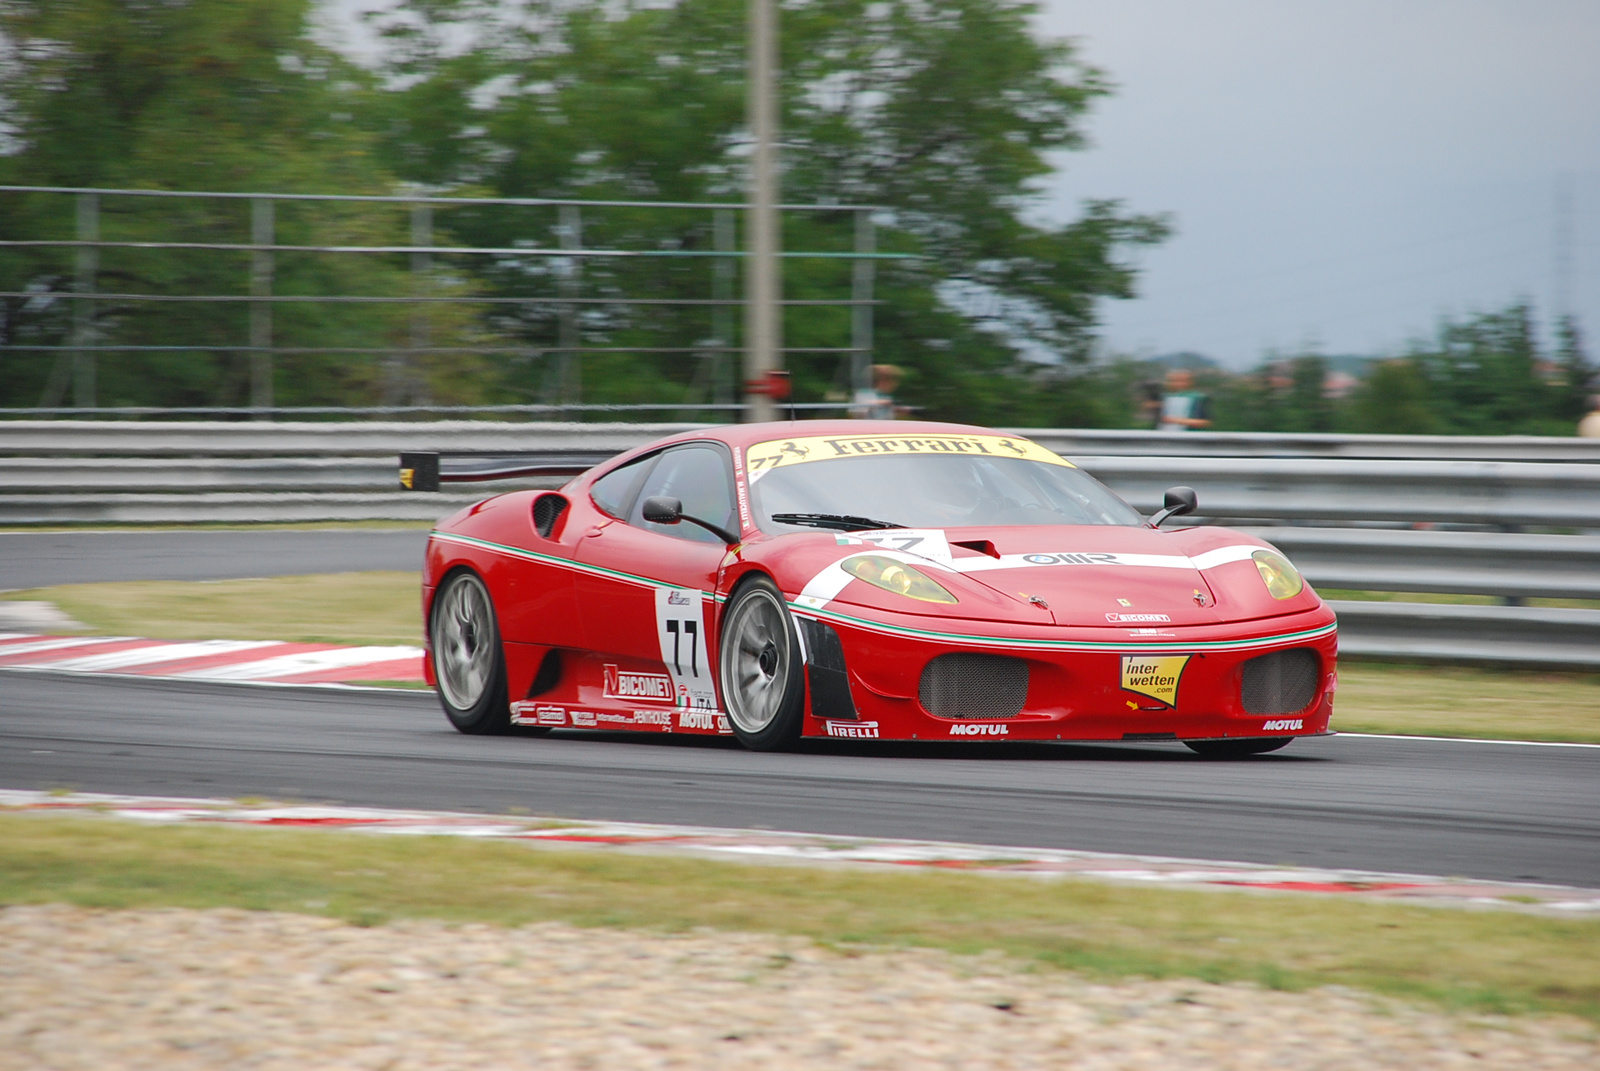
(1082,684)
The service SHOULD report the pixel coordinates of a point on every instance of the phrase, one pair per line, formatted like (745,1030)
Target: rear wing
(425,471)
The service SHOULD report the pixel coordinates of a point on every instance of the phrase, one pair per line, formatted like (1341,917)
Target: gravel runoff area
(178,989)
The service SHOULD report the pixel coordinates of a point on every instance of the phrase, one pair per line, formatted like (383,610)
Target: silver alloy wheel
(464,641)
(756,652)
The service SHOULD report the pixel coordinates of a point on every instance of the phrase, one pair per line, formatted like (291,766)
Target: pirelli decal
(1154,676)
(776,453)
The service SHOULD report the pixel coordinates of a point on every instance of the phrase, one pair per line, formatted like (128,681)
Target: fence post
(722,240)
(88,266)
(262,234)
(861,311)
(421,271)
(570,382)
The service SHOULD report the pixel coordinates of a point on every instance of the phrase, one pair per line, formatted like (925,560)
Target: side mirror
(661,509)
(1175,503)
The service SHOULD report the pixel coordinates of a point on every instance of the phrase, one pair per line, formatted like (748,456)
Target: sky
(1341,174)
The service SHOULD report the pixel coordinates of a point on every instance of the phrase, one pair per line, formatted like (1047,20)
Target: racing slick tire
(759,667)
(1236,749)
(468,661)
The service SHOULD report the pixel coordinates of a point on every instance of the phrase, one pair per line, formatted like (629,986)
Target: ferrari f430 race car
(868,580)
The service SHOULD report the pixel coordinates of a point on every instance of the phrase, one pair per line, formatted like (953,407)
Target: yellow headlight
(898,577)
(1282,579)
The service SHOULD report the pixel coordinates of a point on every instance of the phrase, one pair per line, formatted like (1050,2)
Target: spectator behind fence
(878,403)
(1184,408)
(1589,426)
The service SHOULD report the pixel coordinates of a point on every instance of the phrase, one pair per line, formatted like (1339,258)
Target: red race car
(867,580)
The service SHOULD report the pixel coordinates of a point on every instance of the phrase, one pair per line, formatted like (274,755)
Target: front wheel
(468,661)
(759,663)
(1236,749)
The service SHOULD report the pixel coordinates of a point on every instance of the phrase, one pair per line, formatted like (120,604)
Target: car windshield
(825,487)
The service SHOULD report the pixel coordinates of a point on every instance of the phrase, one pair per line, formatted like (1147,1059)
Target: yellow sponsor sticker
(764,457)
(1155,676)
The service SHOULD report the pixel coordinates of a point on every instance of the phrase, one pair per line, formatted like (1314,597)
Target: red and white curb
(267,661)
(822,849)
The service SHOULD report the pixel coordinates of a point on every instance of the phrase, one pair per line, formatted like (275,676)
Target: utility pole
(1561,303)
(763,336)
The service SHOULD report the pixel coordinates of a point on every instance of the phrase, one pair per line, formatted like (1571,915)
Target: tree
(942,112)
(228,95)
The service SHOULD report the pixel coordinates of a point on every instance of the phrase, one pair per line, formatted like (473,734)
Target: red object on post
(774,385)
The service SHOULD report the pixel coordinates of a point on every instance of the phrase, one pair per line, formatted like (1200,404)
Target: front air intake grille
(974,686)
(1280,683)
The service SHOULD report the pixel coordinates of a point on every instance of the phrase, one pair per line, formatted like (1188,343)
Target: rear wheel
(468,661)
(1237,749)
(759,663)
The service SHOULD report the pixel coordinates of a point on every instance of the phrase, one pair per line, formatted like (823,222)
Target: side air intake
(974,686)
(1282,682)
(547,510)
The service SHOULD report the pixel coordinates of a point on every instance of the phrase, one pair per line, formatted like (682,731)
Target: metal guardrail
(129,438)
(102,472)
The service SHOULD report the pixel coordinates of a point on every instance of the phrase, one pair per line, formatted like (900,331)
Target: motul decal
(854,730)
(696,719)
(1155,676)
(1282,725)
(650,687)
(980,729)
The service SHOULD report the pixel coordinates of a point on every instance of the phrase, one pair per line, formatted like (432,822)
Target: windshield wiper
(839,522)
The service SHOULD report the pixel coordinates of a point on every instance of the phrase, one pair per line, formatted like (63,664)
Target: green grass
(385,608)
(1502,704)
(1499,961)
(353,608)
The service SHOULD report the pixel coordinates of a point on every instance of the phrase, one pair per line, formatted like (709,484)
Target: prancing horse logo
(1013,447)
(795,449)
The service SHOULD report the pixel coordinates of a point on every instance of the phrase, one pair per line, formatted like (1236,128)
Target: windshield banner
(764,457)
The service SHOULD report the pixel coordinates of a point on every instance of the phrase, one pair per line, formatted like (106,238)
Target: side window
(698,476)
(614,492)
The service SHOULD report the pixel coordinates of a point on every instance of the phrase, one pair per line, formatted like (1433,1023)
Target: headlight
(1282,579)
(898,577)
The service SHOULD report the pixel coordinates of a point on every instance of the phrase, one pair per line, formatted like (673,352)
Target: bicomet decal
(1155,676)
(764,457)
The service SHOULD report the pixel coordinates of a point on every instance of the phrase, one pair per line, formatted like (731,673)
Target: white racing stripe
(1090,558)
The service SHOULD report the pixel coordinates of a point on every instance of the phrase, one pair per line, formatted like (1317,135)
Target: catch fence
(72,298)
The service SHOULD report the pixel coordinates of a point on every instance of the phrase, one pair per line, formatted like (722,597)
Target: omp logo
(583,719)
(855,730)
(651,687)
(723,726)
(1070,559)
(1138,619)
(1281,724)
(696,719)
(980,730)
(653,717)
(677,598)
(552,715)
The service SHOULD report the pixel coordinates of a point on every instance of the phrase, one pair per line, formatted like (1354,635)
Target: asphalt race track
(1494,811)
(42,559)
